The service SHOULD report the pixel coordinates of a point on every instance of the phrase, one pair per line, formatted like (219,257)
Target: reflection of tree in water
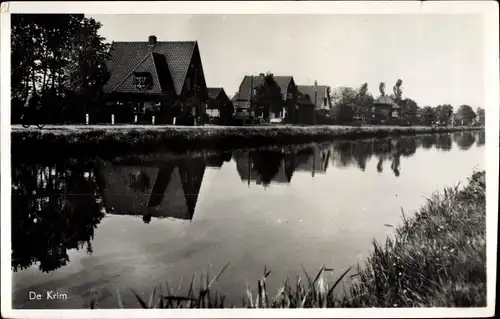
(382,149)
(362,152)
(408,145)
(464,140)
(481,138)
(54,209)
(428,141)
(396,155)
(343,154)
(444,142)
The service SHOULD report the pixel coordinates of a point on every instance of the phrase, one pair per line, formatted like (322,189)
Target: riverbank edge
(145,139)
(437,258)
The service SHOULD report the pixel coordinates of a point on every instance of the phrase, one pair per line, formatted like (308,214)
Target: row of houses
(164,82)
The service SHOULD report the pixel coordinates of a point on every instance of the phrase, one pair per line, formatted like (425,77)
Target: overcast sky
(438,57)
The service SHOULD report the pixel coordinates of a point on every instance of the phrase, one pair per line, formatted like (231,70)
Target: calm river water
(82,227)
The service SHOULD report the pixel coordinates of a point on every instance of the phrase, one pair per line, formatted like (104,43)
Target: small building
(153,78)
(385,110)
(219,106)
(245,98)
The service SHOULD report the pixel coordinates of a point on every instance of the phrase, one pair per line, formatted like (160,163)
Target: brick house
(244,99)
(164,79)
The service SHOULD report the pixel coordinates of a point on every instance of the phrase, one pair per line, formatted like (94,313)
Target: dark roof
(213,93)
(306,94)
(235,97)
(129,57)
(384,99)
(244,91)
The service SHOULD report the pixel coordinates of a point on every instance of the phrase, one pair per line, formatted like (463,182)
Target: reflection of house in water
(265,167)
(314,161)
(217,161)
(168,190)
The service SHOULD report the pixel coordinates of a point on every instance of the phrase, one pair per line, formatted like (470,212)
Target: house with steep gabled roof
(313,99)
(245,97)
(318,95)
(161,78)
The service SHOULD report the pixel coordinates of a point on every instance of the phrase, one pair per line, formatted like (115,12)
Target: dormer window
(143,80)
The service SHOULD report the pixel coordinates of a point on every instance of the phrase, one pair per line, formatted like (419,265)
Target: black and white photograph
(280,159)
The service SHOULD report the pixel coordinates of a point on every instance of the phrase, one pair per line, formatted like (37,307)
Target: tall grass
(437,258)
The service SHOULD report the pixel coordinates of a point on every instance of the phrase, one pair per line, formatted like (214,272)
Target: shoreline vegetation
(436,258)
(130,138)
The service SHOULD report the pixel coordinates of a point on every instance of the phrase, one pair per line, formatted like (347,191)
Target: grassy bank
(153,138)
(437,258)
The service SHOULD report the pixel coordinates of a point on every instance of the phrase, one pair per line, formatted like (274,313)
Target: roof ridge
(126,77)
(156,70)
(189,65)
(177,41)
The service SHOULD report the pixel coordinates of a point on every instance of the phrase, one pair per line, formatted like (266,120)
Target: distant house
(245,98)
(319,96)
(219,105)
(384,110)
(164,79)
(167,190)
(311,98)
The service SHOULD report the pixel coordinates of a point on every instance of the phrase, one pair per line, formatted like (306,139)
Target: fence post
(153,120)
(135,118)
(87,119)
(112,119)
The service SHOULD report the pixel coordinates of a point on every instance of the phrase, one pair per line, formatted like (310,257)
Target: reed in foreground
(437,258)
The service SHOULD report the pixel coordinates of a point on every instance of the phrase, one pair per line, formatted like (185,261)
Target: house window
(142,80)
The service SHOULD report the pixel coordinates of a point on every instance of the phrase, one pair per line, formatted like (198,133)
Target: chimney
(152,40)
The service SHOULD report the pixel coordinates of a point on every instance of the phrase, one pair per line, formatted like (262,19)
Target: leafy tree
(465,115)
(268,95)
(398,92)
(344,103)
(409,110)
(480,116)
(56,55)
(428,115)
(444,113)
(364,101)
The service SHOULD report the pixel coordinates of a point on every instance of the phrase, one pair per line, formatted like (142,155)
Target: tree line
(62,59)
(351,104)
